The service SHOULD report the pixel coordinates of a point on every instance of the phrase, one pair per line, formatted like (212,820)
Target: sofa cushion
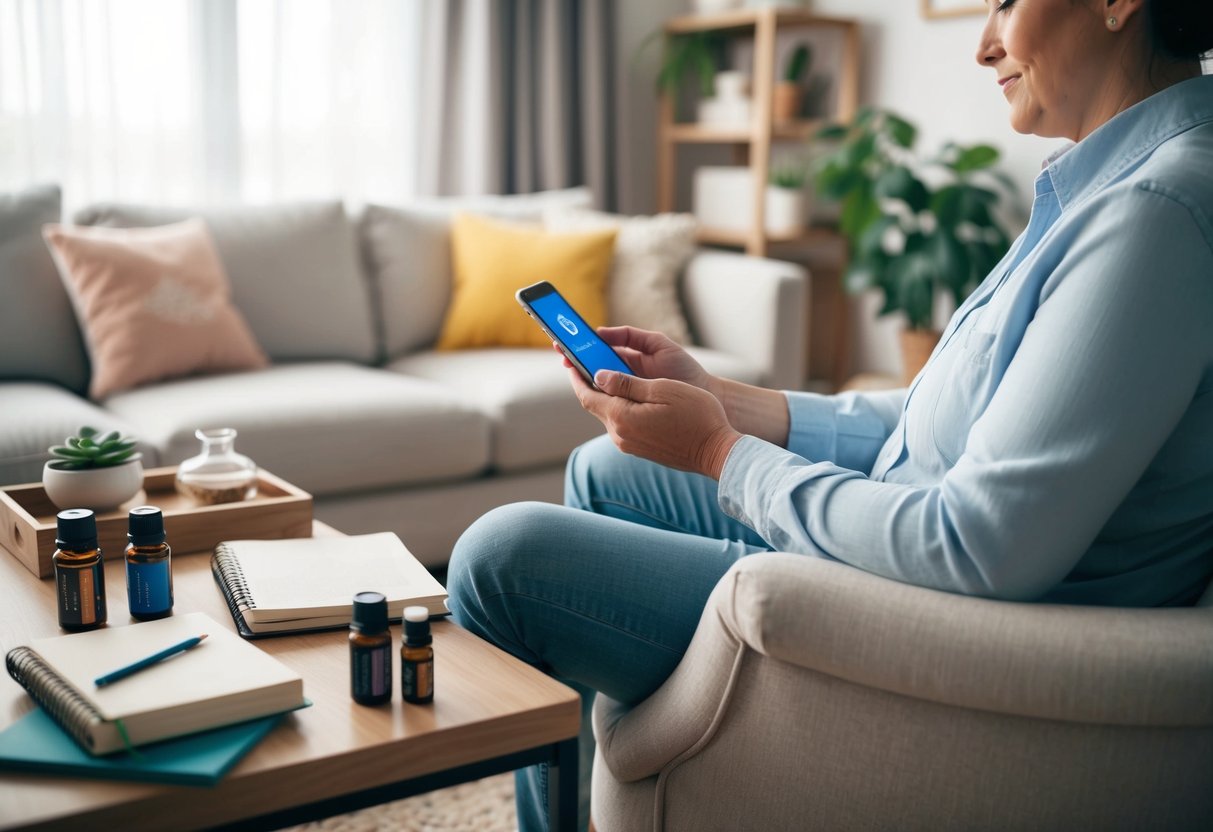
(294,270)
(408,253)
(36,415)
(536,418)
(39,337)
(493,260)
(154,303)
(327,427)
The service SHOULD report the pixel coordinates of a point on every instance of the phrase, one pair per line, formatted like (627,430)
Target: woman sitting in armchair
(1056,448)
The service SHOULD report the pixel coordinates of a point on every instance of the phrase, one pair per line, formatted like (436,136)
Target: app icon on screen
(568,325)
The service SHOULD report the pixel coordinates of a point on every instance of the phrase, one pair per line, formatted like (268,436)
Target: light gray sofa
(357,407)
(817,696)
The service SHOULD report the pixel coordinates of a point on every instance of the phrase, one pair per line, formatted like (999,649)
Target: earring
(1112,23)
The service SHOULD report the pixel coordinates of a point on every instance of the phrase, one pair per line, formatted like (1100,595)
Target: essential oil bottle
(370,650)
(417,657)
(149,565)
(79,571)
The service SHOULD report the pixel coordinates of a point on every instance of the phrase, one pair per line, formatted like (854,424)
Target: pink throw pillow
(154,303)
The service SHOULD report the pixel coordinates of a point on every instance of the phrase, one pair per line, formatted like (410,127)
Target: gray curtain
(520,97)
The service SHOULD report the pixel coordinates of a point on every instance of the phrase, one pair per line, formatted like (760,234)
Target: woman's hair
(1182,29)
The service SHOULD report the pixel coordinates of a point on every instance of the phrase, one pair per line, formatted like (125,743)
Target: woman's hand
(655,355)
(670,422)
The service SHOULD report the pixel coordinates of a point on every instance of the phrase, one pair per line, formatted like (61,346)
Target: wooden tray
(27,518)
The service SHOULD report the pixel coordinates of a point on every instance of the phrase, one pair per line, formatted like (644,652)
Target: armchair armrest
(750,307)
(1099,665)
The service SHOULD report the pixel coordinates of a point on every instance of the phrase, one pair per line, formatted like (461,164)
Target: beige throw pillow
(650,254)
(154,303)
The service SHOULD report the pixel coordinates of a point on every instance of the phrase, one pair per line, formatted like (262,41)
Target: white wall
(923,69)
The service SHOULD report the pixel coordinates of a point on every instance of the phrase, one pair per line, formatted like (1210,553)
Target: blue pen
(123,672)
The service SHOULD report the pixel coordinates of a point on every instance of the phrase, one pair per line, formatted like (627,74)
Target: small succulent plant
(90,449)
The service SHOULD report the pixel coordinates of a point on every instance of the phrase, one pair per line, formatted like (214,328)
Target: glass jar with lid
(218,474)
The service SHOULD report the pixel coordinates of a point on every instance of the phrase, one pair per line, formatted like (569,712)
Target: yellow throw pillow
(493,260)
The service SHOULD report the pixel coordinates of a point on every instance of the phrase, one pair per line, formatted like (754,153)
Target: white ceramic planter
(101,489)
(785,210)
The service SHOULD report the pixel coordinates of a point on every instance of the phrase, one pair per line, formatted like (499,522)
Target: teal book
(35,744)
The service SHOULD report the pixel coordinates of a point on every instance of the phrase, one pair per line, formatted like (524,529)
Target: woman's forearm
(756,411)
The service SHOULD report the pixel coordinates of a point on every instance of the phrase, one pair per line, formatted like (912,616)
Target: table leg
(562,787)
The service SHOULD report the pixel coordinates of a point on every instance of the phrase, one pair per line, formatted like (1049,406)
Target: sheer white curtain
(189,101)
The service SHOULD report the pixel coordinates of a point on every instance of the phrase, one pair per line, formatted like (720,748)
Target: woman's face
(1050,57)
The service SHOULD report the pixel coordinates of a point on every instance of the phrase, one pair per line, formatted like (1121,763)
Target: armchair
(818,696)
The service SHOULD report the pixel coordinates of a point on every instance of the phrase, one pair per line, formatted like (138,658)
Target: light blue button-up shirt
(1059,443)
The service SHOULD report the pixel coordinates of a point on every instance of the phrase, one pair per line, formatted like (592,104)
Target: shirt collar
(1078,170)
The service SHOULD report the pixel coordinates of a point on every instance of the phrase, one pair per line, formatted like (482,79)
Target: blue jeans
(603,593)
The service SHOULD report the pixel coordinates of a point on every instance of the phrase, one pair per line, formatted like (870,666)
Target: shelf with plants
(694,47)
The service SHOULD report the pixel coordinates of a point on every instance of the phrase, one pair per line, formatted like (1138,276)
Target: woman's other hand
(656,355)
(667,421)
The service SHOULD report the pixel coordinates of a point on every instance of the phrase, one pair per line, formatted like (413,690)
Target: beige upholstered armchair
(817,696)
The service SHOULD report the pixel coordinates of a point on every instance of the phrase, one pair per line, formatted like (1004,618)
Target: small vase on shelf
(218,474)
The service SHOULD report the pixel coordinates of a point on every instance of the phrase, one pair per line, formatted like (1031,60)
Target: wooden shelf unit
(753,141)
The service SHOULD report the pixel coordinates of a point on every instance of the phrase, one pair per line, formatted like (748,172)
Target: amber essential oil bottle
(370,650)
(417,657)
(79,571)
(149,565)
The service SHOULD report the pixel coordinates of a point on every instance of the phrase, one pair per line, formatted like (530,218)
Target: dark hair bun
(1182,28)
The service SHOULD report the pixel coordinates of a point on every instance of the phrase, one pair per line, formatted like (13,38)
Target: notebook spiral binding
(58,698)
(225,568)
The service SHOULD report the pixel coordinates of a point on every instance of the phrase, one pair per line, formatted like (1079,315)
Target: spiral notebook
(222,681)
(274,587)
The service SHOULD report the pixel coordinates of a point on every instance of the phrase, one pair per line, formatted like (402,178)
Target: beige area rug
(480,806)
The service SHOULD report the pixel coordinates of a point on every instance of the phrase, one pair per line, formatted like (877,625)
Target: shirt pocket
(964,396)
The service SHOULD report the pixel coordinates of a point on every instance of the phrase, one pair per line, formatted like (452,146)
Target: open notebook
(281,586)
(222,681)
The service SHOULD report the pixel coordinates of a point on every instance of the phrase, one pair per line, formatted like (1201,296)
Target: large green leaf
(832,132)
(859,210)
(899,183)
(975,158)
(902,132)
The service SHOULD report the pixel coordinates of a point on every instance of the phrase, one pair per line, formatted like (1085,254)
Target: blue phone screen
(577,336)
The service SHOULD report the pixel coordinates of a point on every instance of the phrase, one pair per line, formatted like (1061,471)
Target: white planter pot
(785,210)
(101,489)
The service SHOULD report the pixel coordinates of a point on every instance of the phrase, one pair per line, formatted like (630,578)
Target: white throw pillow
(650,253)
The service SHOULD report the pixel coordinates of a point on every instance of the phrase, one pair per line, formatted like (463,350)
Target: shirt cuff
(741,476)
(812,425)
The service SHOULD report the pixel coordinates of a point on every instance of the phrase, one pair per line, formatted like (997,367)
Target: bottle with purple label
(370,650)
(149,565)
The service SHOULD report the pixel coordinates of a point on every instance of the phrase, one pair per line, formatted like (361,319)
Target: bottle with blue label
(149,565)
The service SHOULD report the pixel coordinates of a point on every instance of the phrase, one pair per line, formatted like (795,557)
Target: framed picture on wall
(952,8)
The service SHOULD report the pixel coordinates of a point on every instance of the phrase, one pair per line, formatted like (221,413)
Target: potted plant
(785,203)
(786,104)
(91,470)
(914,227)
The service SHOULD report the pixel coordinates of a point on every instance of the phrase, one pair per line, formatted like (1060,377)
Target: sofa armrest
(1097,665)
(752,308)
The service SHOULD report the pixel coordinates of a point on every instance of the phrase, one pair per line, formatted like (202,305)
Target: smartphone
(577,339)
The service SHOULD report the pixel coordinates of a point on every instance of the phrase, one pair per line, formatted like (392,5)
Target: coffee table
(491,713)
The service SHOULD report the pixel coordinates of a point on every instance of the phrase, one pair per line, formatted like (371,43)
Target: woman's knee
(494,552)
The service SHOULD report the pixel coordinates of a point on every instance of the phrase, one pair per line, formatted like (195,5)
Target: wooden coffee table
(491,713)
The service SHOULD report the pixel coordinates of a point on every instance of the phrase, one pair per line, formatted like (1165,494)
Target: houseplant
(91,470)
(914,226)
(786,104)
(785,199)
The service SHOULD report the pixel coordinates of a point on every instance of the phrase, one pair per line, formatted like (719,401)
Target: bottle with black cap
(79,571)
(417,657)
(370,650)
(149,565)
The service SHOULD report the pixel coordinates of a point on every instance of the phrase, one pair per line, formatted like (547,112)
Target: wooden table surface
(486,704)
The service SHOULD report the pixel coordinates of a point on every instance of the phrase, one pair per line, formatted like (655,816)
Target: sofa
(818,696)
(356,406)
